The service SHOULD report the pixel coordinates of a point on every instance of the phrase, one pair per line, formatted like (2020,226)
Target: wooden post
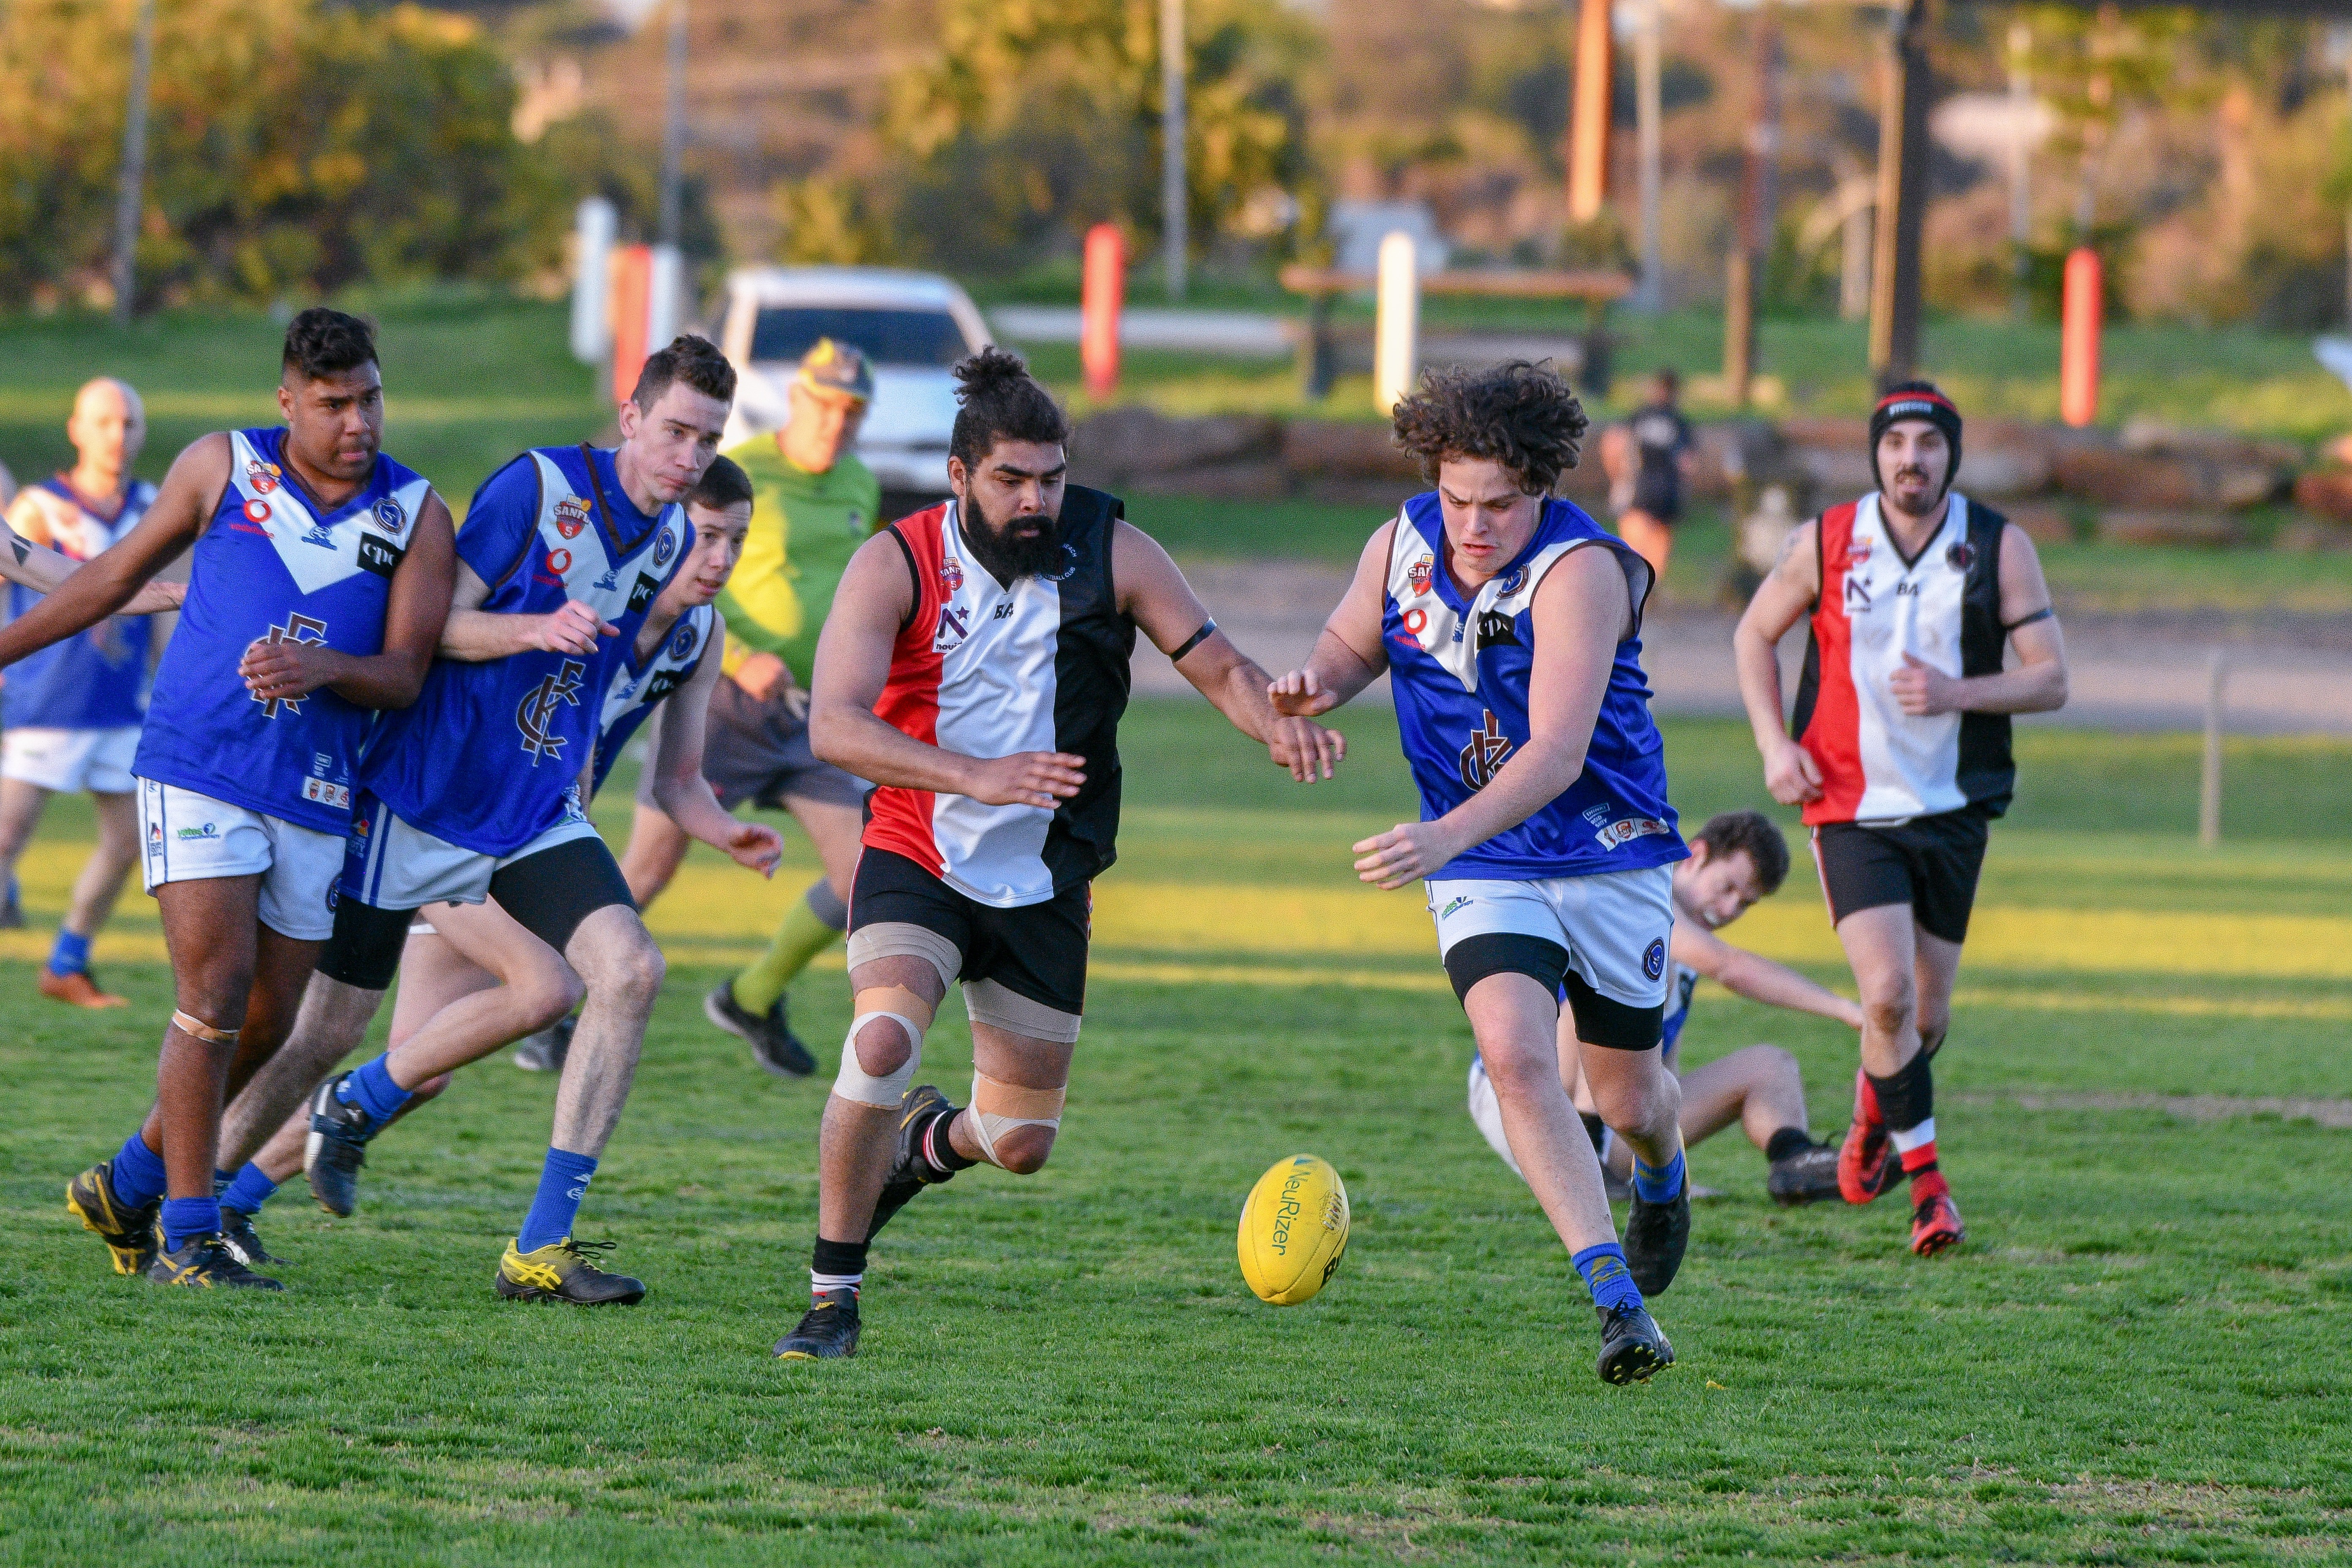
(1102,290)
(1175,214)
(2209,795)
(130,198)
(2078,338)
(1647,116)
(630,296)
(1738,325)
(1902,199)
(1587,145)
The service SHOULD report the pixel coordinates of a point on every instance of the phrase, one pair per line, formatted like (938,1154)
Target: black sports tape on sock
(838,1257)
(1195,641)
(1907,1098)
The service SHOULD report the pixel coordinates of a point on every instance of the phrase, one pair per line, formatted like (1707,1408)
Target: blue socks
(1655,1185)
(70,955)
(1606,1276)
(139,1178)
(371,1090)
(184,1217)
(251,1188)
(561,1185)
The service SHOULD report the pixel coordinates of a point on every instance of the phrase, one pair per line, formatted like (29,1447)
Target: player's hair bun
(986,371)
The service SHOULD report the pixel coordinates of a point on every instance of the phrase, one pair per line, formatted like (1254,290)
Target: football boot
(128,1233)
(562,1271)
(1809,1176)
(336,1148)
(826,1331)
(1632,1346)
(546,1050)
(1867,1167)
(770,1035)
(79,989)
(237,1229)
(1936,1226)
(208,1261)
(1657,1236)
(911,1173)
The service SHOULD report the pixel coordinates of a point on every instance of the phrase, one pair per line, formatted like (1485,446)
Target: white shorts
(393,866)
(189,838)
(1613,926)
(69,761)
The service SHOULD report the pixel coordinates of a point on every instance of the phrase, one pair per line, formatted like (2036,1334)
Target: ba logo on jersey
(297,629)
(1421,572)
(1487,750)
(535,715)
(570,516)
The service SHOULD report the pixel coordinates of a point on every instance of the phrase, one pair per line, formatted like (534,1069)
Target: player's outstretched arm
(685,795)
(414,613)
(107,586)
(2037,685)
(873,601)
(1153,593)
(1582,609)
(1758,978)
(1784,598)
(1348,654)
(27,558)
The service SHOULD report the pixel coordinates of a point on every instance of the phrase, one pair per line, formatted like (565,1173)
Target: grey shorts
(757,751)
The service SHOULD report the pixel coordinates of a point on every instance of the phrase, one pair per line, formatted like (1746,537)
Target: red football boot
(1936,1226)
(1867,1163)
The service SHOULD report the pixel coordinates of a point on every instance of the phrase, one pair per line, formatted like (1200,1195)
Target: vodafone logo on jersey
(256,511)
(559,562)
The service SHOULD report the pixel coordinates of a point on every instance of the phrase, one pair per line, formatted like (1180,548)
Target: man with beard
(1899,754)
(975,667)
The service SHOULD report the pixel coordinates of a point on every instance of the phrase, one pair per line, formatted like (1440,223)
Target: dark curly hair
(1001,400)
(322,342)
(1522,415)
(1753,834)
(695,361)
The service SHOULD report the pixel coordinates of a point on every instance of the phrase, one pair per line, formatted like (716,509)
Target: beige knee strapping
(998,1108)
(986,1002)
(911,1012)
(904,939)
(189,1024)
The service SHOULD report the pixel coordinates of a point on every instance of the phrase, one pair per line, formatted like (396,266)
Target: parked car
(913,328)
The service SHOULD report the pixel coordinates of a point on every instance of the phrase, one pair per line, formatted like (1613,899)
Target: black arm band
(1197,638)
(2042,613)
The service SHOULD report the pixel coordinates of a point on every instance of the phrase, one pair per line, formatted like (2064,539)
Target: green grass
(2140,1357)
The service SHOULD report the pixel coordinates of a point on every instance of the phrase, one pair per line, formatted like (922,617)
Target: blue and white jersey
(483,758)
(273,566)
(638,690)
(1459,671)
(1678,1002)
(95,679)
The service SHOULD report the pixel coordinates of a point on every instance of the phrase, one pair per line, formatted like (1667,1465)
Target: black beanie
(1916,400)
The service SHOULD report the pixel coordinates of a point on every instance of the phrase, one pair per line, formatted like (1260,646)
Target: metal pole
(2209,795)
(674,126)
(2020,163)
(1652,294)
(1174,238)
(132,197)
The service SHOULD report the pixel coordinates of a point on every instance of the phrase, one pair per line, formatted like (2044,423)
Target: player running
(1509,624)
(1736,860)
(1900,754)
(72,710)
(814,504)
(975,666)
(495,977)
(320,580)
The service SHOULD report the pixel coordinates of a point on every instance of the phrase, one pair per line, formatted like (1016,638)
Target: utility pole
(1744,279)
(674,126)
(1588,124)
(1902,199)
(132,197)
(1652,294)
(1174,239)
(2020,160)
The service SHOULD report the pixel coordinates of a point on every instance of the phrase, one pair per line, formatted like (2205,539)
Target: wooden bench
(1597,288)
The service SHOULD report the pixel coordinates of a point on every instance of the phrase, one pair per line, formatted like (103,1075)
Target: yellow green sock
(807,930)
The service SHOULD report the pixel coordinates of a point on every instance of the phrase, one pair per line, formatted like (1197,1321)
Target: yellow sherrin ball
(1294,1230)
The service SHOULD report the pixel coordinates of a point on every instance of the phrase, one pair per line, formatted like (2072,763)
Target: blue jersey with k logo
(1459,672)
(275,566)
(483,758)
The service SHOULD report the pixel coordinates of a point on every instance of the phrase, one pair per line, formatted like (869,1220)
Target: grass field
(2141,1355)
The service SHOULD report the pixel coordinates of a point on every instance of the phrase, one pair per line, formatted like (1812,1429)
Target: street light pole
(1651,296)
(1174,240)
(132,197)
(673,126)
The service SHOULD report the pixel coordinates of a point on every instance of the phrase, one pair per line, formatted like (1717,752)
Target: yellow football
(1294,1229)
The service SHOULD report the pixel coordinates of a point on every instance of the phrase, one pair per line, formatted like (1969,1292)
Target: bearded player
(1509,624)
(1899,754)
(975,667)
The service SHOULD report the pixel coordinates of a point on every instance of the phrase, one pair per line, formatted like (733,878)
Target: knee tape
(189,1024)
(998,1108)
(911,1012)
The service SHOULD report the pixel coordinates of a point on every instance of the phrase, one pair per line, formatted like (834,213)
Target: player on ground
(1736,860)
(72,710)
(1509,624)
(815,504)
(479,955)
(319,585)
(1900,754)
(975,666)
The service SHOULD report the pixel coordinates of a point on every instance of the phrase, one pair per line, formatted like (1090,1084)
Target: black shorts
(548,894)
(1929,863)
(1038,951)
(1600,1020)
(1661,496)
(758,750)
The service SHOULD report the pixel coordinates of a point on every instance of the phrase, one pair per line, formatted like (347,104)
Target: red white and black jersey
(989,671)
(1880,764)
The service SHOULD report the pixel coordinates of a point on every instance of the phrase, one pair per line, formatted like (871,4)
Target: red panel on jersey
(1832,732)
(901,820)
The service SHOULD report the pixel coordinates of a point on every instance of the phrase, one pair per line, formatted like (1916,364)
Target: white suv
(913,326)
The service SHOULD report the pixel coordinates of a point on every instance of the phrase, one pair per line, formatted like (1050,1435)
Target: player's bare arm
(475,636)
(685,795)
(27,559)
(1755,977)
(2037,684)
(1348,654)
(1582,610)
(103,587)
(852,664)
(1784,598)
(1153,593)
(414,613)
